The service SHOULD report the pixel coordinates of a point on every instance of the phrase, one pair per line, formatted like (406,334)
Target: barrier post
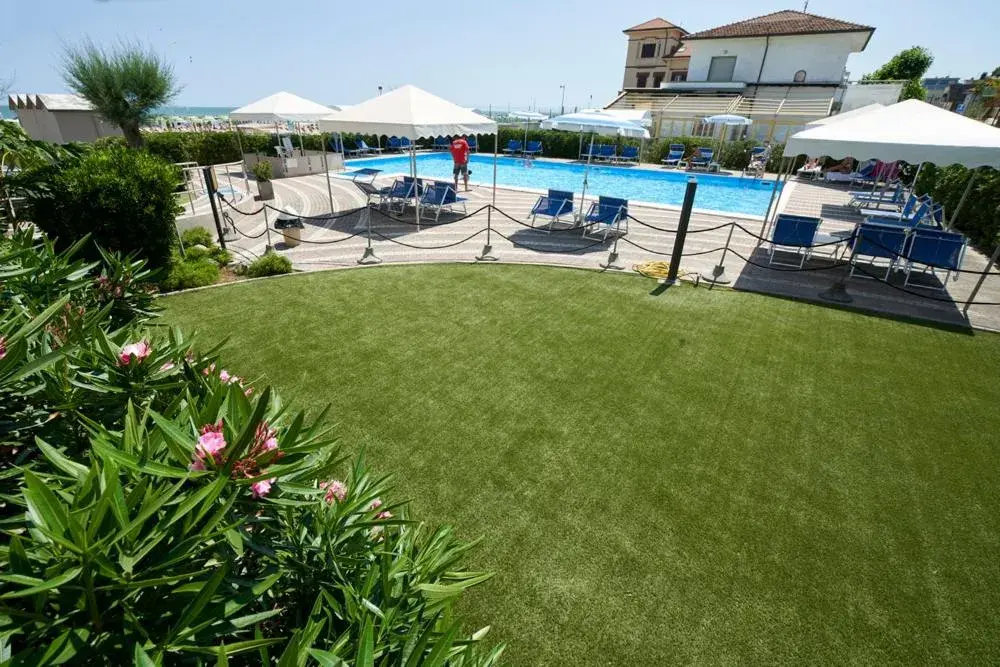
(369,255)
(267,229)
(718,274)
(612,263)
(209,174)
(979,283)
(487,254)
(682,228)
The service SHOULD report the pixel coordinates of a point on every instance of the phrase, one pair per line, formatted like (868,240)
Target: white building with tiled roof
(59,118)
(782,70)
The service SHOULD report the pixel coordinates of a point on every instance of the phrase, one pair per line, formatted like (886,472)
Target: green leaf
(132,462)
(40,586)
(141,659)
(196,605)
(327,659)
(443,646)
(366,646)
(60,461)
(44,507)
(223,659)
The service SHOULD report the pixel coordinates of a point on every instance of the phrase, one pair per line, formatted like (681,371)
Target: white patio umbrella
(598,123)
(727,120)
(415,114)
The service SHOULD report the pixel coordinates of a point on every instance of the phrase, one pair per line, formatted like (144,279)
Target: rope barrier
(440,247)
(466,216)
(574,228)
(325,216)
(233,206)
(518,244)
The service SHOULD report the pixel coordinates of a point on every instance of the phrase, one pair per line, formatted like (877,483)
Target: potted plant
(262,172)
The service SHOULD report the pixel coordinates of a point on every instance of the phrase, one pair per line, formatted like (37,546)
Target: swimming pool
(730,194)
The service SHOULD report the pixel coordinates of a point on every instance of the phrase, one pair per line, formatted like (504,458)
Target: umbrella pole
(496,140)
(586,172)
(580,152)
(913,188)
(243,162)
(326,171)
(416,188)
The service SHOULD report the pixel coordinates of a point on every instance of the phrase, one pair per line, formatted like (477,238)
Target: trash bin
(290,225)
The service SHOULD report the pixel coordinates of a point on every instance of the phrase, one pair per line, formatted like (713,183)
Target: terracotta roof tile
(654,24)
(787,22)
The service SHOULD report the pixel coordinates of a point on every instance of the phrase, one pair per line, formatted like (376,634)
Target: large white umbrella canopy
(642,117)
(281,107)
(527,115)
(912,131)
(597,122)
(836,118)
(408,112)
(728,119)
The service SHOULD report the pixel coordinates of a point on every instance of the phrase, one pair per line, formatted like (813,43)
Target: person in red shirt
(460,158)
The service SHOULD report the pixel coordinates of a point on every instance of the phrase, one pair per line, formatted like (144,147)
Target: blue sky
(515,52)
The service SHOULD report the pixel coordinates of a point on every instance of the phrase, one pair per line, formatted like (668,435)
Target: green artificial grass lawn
(696,476)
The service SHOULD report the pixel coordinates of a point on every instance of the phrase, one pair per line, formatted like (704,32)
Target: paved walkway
(340,240)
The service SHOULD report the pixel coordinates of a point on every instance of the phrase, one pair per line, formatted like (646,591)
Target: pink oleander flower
(3,347)
(224,375)
(137,351)
(375,504)
(248,392)
(236,379)
(209,370)
(335,490)
(210,445)
(384,515)
(167,366)
(262,488)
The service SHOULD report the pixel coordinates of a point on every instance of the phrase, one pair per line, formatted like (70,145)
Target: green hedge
(979,219)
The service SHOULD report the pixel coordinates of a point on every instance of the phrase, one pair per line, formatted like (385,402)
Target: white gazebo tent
(595,122)
(912,131)
(414,114)
(285,108)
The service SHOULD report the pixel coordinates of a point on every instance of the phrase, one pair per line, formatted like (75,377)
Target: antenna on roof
(805,7)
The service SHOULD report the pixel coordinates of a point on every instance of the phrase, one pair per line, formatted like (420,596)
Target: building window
(648,50)
(640,79)
(800,76)
(657,79)
(722,68)
(679,76)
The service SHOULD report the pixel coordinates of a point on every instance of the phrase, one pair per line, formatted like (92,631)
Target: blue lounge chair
(441,195)
(674,155)
(878,242)
(534,148)
(366,148)
(701,159)
(609,213)
(336,144)
(393,144)
(441,144)
(798,234)
(935,249)
(357,150)
(589,151)
(404,143)
(552,206)
(890,197)
(514,147)
(901,219)
(401,192)
(629,154)
(608,153)
(908,205)
(473,144)
(863,176)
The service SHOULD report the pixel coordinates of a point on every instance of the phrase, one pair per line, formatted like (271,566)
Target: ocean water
(192,111)
(731,194)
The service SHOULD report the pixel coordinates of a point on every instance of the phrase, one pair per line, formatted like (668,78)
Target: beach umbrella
(596,123)
(727,120)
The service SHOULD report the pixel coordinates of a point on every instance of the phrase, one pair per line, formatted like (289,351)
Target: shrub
(197,236)
(123,199)
(194,271)
(169,512)
(262,170)
(271,264)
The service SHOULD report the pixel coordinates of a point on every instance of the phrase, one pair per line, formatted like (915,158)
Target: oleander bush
(270,264)
(158,509)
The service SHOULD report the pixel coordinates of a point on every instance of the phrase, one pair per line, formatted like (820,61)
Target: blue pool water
(731,194)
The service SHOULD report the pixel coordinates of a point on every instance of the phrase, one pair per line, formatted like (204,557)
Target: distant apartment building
(782,70)
(60,118)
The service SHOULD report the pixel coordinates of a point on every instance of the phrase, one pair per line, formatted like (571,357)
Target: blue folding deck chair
(336,144)
(901,219)
(404,143)
(608,153)
(366,148)
(441,195)
(890,197)
(878,242)
(402,192)
(934,249)
(514,147)
(357,150)
(701,159)
(533,149)
(907,210)
(473,144)
(589,151)
(609,213)
(553,206)
(393,144)
(441,143)
(674,155)
(629,154)
(799,234)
